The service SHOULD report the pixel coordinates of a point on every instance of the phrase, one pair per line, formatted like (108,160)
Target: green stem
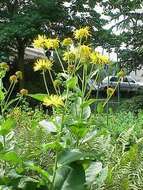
(111,94)
(53,81)
(10,92)
(91,87)
(54,173)
(45,83)
(60,60)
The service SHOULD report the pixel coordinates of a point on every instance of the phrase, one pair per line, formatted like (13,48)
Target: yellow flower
(69,56)
(52,43)
(67,42)
(97,58)
(53,100)
(110,91)
(104,59)
(43,65)
(40,41)
(82,33)
(84,52)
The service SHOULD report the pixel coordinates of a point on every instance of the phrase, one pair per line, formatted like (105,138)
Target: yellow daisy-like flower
(82,33)
(40,41)
(97,58)
(69,56)
(43,65)
(53,100)
(110,91)
(84,52)
(105,59)
(52,43)
(67,42)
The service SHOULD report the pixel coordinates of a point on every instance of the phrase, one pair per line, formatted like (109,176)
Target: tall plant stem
(54,173)
(10,92)
(45,82)
(91,87)
(60,60)
(53,81)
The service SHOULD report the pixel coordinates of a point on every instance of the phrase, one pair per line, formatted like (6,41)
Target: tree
(128,19)
(21,21)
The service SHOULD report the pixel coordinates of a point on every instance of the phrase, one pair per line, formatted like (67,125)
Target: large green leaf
(70,178)
(92,172)
(72,82)
(7,126)
(69,156)
(39,97)
(11,157)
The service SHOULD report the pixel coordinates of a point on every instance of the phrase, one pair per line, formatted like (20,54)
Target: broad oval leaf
(39,97)
(69,156)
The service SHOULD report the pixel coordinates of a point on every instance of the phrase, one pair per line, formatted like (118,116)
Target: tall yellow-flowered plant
(75,55)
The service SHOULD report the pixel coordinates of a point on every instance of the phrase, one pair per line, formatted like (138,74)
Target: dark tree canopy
(128,17)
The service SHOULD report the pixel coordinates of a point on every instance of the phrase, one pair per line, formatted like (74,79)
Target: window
(129,80)
(114,79)
(125,79)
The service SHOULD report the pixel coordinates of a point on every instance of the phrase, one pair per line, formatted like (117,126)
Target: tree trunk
(21,50)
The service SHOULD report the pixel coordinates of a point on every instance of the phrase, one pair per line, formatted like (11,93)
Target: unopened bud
(23,92)
(13,78)
(19,75)
(4,65)
(57,83)
(121,74)
(71,68)
(110,91)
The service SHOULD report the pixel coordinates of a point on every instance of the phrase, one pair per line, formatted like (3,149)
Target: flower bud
(23,92)
(13,78)
(71,68)
(121,74)
(57,83)
(4,65)
(110,91)
(19,75)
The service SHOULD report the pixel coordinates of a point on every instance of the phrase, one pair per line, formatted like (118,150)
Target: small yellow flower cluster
(84,52)
(53,100)
(46,43)
(52,43)
(43,65)
(97,58)
(82,33)
(39,42)
(16,113)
